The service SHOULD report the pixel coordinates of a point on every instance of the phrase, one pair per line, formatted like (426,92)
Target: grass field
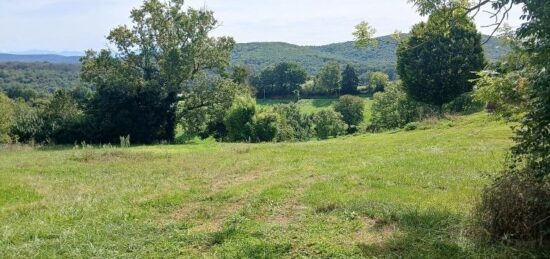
(310,106)
(396,194)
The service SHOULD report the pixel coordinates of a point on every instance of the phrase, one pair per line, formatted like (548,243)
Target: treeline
(290,80)
(36,80)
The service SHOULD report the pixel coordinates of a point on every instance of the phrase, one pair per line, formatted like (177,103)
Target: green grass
(396,194)
(311,106)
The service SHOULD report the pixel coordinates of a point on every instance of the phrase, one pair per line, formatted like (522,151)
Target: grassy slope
(392,194)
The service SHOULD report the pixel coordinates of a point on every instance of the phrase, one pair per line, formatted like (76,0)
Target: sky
(78,25)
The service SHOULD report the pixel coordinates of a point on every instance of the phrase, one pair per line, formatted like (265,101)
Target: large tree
(350,80)
(138,84)
(329,77)
(440,57)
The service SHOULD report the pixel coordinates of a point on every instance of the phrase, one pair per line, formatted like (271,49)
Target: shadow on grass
(440,234)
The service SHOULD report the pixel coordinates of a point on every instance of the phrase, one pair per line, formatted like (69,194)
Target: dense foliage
(138,85)
(436,62)
(204,107)
(5,118)
(394,109)
(352,109)
(33,80)
(329,123)
(283,80)
(239,120)
(350,81)
(293,125)
(376,82)
(329,78)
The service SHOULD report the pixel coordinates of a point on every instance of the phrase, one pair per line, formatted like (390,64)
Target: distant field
(314,105)
(398,194)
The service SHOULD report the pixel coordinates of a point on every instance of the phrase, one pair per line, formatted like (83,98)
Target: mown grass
(396,194)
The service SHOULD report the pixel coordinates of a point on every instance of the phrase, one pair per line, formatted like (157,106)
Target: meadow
(394,194)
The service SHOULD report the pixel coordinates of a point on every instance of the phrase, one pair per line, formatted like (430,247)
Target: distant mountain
(262,54)
(50,58)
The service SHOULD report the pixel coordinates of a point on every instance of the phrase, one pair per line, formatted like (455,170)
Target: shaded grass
(399,194)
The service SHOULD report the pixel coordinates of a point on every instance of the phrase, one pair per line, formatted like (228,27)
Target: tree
(364,35)
(203,109)
(352,109)
(329,77)
(437,61)
(280,81)
(139,84)
(5,118)
(329,123)
(61,119)
(239,120)
(350,80)
(27,122)
(241,75)
(377,82)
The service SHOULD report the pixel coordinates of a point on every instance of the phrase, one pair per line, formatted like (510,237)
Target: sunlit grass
(402,194)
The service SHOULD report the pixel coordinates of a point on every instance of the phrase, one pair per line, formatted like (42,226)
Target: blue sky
(77,25)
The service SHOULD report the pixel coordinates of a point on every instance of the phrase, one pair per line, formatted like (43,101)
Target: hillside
(399,194)
(262,54)
(50,58)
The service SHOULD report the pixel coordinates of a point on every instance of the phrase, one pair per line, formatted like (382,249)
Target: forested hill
(50,58)
(263,54)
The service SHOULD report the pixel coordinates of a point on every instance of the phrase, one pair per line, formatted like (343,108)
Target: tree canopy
(350,80)
(280,81)
(440,57)
(138,85)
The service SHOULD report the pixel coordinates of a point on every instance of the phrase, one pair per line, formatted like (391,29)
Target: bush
(515,207)
(393,109)
(27,123)
(329,123)
(292,125)
(6,112)
(352,109)
(464,104)
(265,126)
(239,119)
(410,126)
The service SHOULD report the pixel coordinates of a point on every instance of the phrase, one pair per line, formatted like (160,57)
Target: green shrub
(515,207)
(27,123)
(293,125)
(352,109)
(464,104)
(239,119)
(393,109)
(265,126)
(6,113)
(329,123)
(410,126)
(505,95)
